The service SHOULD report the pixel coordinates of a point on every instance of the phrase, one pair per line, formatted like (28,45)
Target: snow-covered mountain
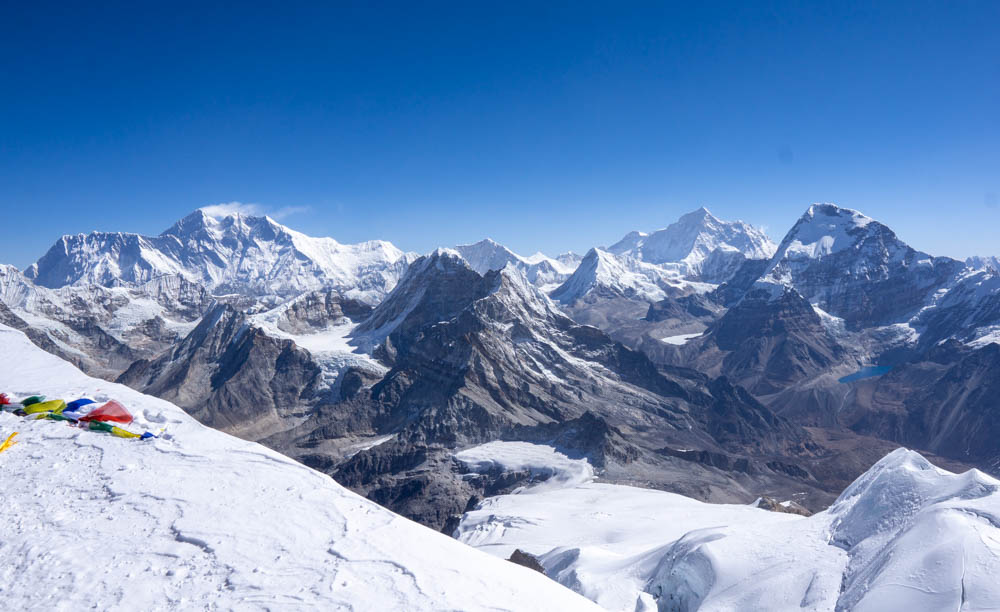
(542,271)
(198,519)
(698,245)
(609,275)
(984,263)
(234,254)
(904,536)
(103,329)
(855,268)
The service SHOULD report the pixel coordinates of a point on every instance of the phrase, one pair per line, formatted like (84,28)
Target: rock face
(527,560)
(968,310)
(786,507)
(767,344)
(230,375)
(318,310)
(235,254)
(946,402)
(479,358)
(699,245)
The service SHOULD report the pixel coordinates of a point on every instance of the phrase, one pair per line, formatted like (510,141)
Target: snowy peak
(436,286)
(904,516)
(487,255)
(521,300)
(235,253)
(615,276)
(984,263)
(856,268)
(198,221)
(540,270)
(825,229)
(698,244)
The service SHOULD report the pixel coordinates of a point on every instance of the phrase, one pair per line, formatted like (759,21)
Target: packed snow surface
(201,520)
(905,536)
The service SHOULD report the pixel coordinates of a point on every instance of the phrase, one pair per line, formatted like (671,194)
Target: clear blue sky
(545,127)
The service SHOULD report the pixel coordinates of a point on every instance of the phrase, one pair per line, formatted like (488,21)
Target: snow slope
(905,536)
(199,520)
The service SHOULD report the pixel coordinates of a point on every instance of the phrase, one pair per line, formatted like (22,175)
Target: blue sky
(545,127)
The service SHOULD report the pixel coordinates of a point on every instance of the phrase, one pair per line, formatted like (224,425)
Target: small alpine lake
(866,372)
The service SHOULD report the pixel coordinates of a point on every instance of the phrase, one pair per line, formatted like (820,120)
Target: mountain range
(700,358)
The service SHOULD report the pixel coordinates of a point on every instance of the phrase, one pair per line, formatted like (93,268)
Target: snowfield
(905,536)
(202,520)
(681,339)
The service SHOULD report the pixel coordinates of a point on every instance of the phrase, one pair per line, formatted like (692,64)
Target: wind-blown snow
(905,536)
(201,520)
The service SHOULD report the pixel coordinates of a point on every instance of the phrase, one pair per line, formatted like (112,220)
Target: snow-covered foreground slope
(905,536)
(199,519)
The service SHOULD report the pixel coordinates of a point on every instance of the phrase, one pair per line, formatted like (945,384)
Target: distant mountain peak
(700,214)
(879,278)
(232,253)
(829,210)
(615,275)
(698,244)
(541,270)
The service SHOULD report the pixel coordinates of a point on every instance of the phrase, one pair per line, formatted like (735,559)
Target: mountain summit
(700,244)
(541,270)
(236,253)
(856,268)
